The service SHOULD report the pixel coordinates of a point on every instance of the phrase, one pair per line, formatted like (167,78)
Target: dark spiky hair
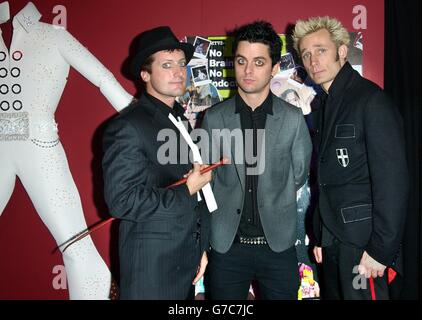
(259,32)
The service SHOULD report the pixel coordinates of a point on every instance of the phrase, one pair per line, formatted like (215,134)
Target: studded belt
(252,240)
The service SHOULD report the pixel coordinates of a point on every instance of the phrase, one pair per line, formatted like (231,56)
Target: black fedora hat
(152,41)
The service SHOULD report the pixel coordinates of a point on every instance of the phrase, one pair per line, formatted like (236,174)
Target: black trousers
(230,274)
(341,279)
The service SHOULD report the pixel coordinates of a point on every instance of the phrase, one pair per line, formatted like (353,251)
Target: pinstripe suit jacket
(159,242)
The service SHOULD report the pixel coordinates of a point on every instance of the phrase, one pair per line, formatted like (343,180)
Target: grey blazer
(284,162)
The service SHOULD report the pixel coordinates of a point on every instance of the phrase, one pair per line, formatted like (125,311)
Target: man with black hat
(163,231)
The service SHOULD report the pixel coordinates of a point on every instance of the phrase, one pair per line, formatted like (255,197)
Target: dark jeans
(231,274)
(341,280)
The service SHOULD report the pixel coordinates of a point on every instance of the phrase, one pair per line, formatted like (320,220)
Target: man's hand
(318,254)
(201,268)
(370,267)
(196,180)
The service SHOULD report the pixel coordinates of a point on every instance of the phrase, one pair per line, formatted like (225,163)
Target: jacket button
(239,211)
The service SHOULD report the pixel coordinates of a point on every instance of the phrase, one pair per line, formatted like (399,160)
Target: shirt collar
(28,17)
(4,12)
(266,106)
(176,111)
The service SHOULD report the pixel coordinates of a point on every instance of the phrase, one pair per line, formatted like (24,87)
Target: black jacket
(362,170)
(159,243)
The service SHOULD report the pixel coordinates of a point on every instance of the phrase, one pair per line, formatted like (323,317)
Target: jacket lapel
(231,121)
(330,119)
(161,121)
(273,126)
(335,100)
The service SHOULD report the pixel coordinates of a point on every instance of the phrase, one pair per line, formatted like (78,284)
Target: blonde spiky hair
(338,33)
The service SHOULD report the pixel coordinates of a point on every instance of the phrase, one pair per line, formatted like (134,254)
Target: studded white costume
(32,78)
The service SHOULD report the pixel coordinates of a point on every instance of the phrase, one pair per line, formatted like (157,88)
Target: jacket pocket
(153,235)
(357,213)
(345,131)
(153,229)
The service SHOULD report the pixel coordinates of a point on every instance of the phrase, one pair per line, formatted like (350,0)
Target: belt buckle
(14,126)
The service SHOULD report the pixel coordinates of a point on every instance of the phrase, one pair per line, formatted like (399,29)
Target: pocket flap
(357,213)
(345,131)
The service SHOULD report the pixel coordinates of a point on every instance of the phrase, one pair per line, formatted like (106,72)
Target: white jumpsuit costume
(32,78)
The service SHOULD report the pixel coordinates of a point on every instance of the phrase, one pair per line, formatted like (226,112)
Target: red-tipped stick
(391,275)
(211,167)
(100,225)
(87,232)
(372,287)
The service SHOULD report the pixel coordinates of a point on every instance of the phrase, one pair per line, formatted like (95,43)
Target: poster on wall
(212,65)
(211,79)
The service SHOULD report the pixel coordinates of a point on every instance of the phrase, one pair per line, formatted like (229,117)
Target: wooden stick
(101,224)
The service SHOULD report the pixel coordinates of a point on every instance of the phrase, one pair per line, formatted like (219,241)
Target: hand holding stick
(101,224)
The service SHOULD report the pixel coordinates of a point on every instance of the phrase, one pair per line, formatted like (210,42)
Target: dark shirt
(250,223)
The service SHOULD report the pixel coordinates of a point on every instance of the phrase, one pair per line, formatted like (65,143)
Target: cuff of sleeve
(380,254)
(184,190)
(318,242)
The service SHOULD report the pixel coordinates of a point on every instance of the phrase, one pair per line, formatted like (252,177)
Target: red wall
(106,27)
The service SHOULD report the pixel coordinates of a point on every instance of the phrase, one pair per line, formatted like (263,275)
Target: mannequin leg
(7,175)
(49,183)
